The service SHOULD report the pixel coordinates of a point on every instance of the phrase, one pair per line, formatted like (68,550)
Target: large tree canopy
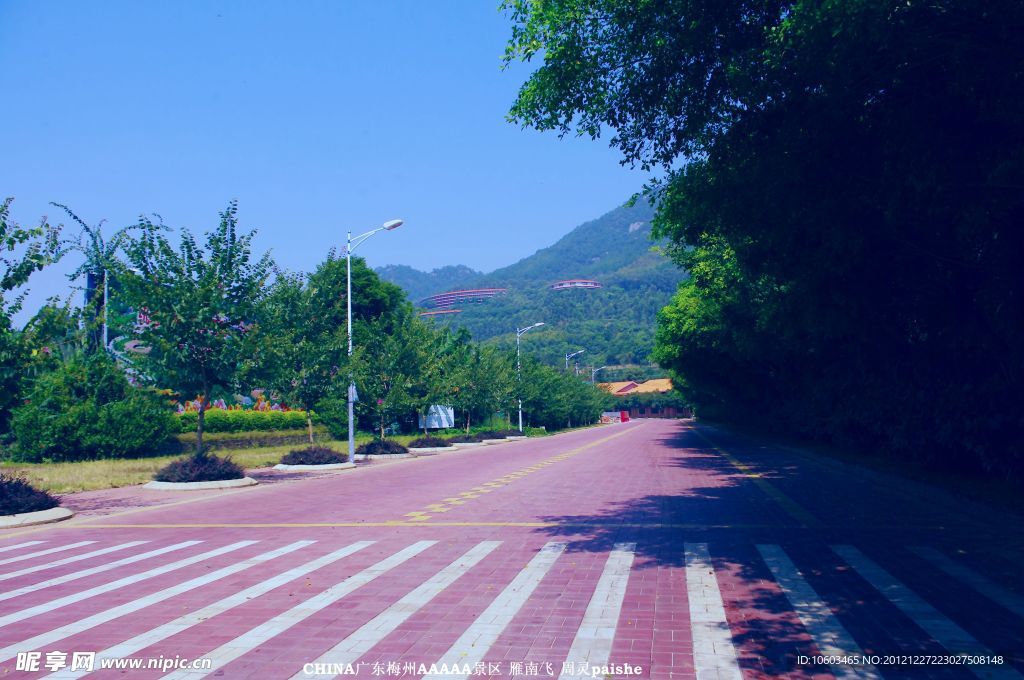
(845,182)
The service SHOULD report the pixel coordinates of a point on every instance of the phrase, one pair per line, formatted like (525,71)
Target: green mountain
(614,323)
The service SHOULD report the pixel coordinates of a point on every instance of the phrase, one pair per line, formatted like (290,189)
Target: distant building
(440,312)
(619,389)
(574,283)
(442,300)
(649,406)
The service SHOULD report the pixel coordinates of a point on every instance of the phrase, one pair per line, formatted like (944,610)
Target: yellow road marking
(465,496)
(417,523)
(794,509)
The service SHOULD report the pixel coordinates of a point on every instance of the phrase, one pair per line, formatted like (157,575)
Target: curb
(382,456)
(494,441)
(432,449)
(27,519)
(467,444)
(199,486)
(313,468)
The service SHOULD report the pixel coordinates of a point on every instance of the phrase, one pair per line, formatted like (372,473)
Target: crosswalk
(317,608)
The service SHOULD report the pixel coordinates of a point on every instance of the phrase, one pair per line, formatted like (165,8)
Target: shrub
(464,438)
(333,413)
(313,455)
(220,420)
(428,442)
(86,409)
(491,434)
(204,467)
(381,447)
(18,496)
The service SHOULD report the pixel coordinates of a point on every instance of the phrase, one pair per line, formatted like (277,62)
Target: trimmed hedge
(429,442)
(219,420)
(18,496)
(205,467)
(492,434)
(381,447)
(313,455)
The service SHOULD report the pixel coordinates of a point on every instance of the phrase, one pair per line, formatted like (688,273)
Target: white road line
(382,625)
(824,628)
(714,655)
(593,643)
(151,637)
(74,576)
(20,545)
(108,615)
(48,551)
(993,591)
(951,636)
(14,617)
(246,642)
(473,644)
(69,560)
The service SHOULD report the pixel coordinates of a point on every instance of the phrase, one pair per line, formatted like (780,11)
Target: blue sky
(317,116)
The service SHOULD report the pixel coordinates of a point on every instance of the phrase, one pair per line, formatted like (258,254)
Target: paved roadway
(679,550)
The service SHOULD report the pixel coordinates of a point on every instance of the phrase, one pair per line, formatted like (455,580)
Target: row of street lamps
(351,245)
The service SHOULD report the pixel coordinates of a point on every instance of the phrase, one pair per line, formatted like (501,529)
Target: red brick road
(681,551)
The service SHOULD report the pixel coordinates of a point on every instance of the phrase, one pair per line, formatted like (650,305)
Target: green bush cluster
(18,496)
(86,409)
(219,420)
(429,443)
(203,467)
(313,455)
(381,447)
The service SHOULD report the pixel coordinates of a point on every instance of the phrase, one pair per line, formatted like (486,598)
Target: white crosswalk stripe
(48,551)
(593,642)
(70,560)
(361,641)
(928,618)
(74,576)
(485,630)
(246,642)
(992,591)
(589,644)
(714,655)
(108,615)
(29,612)
(824,628)
(8,548)
(151,637)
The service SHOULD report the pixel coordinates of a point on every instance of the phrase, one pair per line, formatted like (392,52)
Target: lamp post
(519,369)
(570,355)
(593,374)
(351,245)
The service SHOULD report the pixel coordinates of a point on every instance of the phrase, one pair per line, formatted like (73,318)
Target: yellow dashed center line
(465,496)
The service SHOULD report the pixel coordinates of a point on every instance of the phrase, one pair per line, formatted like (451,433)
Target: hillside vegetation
(615,323)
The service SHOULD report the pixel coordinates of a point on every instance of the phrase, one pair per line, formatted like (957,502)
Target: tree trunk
(467,422)
(309,424)
(199,427)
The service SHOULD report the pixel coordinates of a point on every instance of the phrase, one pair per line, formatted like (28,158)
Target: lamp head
(392,224)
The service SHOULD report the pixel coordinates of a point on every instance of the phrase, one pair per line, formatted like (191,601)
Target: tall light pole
(593,374)
(570,355)
(519,369)
(351,245)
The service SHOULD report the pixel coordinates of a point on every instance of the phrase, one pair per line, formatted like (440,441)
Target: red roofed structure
(448,299)
(574,283)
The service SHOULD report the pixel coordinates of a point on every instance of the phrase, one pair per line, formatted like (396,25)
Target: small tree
(200,301)
(22,252)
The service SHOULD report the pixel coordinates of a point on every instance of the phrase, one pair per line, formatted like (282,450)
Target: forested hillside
(614,323)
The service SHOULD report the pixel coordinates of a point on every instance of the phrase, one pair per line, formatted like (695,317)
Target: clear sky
(318,117)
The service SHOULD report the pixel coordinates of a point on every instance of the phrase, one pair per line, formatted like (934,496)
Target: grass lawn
(105,474)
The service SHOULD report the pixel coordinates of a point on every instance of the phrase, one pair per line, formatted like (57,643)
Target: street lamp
(570,355)
(519,368)
(593,374)
(352,244)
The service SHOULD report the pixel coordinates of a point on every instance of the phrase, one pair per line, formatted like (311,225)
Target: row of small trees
(213,318)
